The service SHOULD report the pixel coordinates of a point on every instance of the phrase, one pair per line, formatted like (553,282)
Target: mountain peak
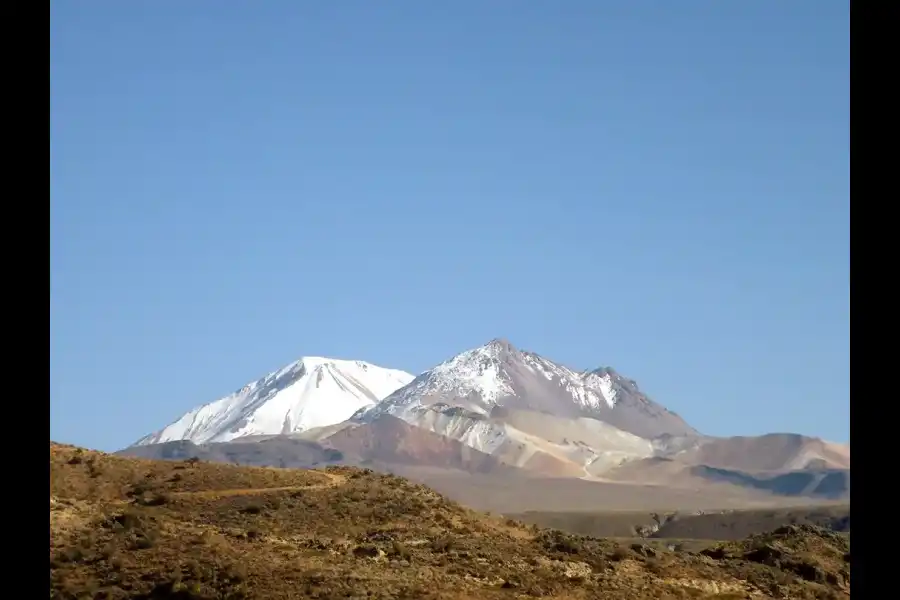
(311,392)
(501,345)
(617,382)
(605,371)
(479,370)
(497,374)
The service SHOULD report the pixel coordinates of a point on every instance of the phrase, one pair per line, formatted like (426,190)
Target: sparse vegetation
(712,525)
(128,528)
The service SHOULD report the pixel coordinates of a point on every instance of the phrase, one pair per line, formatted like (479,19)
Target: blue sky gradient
(662,187)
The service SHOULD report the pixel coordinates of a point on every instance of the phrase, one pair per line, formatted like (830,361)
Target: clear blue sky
(662,187)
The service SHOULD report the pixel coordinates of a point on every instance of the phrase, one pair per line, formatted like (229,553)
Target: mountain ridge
(493,409)
(316,392)
(499,374)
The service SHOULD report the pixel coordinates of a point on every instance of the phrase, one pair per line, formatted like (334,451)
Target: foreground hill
(133,528)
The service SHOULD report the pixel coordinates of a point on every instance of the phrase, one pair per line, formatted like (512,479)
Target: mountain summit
(308,393)
(498,375)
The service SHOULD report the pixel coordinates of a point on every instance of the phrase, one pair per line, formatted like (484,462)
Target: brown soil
(130,528)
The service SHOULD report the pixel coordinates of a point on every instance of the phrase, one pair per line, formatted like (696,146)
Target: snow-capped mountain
(492,409)
(499,375)
(308,393)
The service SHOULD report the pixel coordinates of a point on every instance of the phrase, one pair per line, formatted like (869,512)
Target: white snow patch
(472,371)
(308,393)
(588,390)
(607,390)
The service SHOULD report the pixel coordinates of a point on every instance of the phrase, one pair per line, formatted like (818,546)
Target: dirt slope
(132,528)
(389,440)
(770,452)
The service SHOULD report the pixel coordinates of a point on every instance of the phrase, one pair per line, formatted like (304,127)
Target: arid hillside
(134,528)
(697,526)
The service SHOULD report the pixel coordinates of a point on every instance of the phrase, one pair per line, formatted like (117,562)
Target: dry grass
(129,528)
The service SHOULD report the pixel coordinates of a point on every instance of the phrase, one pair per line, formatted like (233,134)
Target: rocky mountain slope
(498,374)
(390,441)
(126,528)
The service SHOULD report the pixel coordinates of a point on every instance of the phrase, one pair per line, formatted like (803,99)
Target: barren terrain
(133,528)
(481,481)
